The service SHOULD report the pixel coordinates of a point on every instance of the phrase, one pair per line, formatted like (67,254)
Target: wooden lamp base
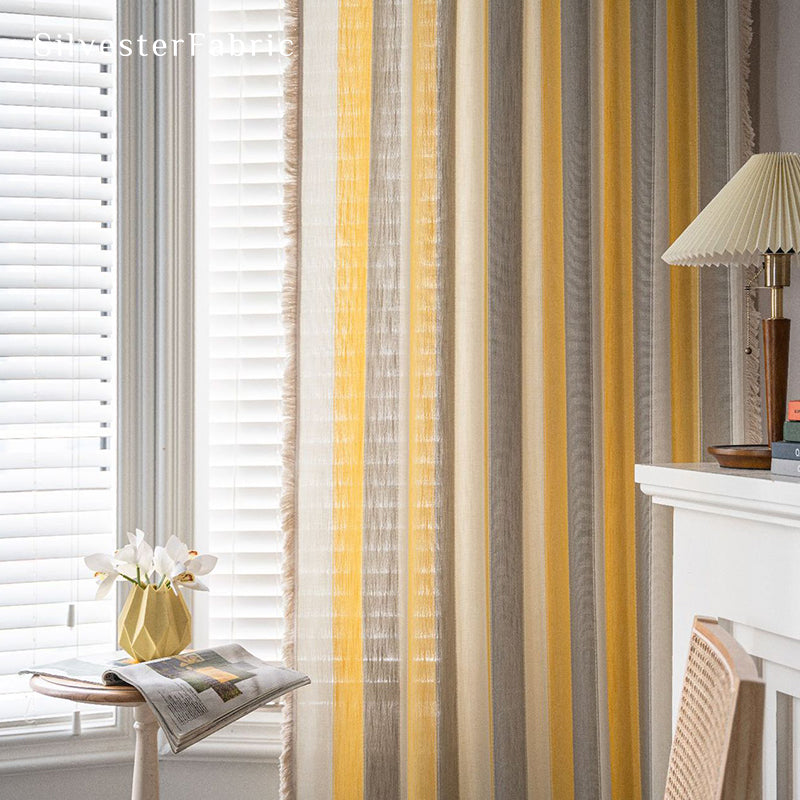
(776,373)
(775,332)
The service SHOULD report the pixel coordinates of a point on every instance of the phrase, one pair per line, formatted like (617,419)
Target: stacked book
(786,454)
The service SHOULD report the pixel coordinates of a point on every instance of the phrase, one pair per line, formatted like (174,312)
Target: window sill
(27,752)
(254,739)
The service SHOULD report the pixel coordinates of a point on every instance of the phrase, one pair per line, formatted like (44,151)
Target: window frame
(62,123)
(257,737)
(39,748)
(155,372)
(207,269)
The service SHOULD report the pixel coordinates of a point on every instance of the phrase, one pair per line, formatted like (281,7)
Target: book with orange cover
(793,410)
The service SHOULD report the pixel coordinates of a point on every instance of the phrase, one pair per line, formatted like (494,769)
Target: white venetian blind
(57,337)
(240,174)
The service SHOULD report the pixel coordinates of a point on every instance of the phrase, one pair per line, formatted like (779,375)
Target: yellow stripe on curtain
(422,645)
(352,215)
(682,111)
(618,406)
(555,415)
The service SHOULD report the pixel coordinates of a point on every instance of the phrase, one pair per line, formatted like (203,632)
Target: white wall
(777,105)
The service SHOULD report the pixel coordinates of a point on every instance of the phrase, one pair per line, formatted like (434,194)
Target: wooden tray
(742,456)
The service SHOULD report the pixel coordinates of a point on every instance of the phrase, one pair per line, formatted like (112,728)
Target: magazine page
(89,669)
(194,694)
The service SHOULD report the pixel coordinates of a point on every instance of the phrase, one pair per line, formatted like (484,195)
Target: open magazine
(192,694)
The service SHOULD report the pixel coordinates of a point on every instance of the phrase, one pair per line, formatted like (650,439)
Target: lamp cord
(748,287)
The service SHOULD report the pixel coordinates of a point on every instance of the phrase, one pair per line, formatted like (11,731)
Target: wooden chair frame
(722,758)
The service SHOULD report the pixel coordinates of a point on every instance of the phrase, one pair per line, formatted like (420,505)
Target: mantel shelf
(747,493)
(734,548)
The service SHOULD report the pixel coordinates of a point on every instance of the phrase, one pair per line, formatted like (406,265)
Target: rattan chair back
(716,751)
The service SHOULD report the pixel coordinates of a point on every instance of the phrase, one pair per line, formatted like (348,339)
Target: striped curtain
(485,342)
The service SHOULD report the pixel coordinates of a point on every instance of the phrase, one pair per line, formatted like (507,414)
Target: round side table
(145,763)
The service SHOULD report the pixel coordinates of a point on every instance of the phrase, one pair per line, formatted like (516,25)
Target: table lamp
(754,218)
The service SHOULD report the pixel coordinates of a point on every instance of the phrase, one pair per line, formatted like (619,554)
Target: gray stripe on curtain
(505,397)
(578,297)
(381,427)
(643,67)
(447,718)
(716,390)
(740,126)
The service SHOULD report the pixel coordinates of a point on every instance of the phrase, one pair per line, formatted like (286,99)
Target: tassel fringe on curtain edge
(292,92)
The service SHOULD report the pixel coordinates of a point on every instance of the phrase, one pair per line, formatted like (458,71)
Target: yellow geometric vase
(154,623)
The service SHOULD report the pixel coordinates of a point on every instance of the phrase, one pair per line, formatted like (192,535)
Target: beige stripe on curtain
(470,500)
(533,389)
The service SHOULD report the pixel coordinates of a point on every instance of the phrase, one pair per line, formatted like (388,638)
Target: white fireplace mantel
(736,556)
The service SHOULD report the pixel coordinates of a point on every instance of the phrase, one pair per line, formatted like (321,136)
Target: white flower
(184,565)
(103,568)
(167,567)
(174,565)
(125,559)
(197,565)
(162,563)
(201,565)
(177,550)
(143,552)
(188,580)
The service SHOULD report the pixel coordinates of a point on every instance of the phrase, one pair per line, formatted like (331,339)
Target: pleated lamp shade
(756,212)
